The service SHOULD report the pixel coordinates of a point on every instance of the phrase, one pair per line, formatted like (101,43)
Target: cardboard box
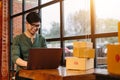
(83,44)
(113,58)
(79,63)
(83,52)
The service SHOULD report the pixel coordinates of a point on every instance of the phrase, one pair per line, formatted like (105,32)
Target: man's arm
(16,53)
(21,62)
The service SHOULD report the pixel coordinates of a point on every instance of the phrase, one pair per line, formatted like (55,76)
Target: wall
(4,40)
(0,33)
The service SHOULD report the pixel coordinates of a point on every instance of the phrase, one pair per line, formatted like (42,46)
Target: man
(29,39)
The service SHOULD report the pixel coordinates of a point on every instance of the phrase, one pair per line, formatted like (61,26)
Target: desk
(62,74)
(102,74)
(57,74)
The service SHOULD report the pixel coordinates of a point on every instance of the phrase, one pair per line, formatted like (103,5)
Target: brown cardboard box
(82,44)
(113,58)
(83,52)
(79,63)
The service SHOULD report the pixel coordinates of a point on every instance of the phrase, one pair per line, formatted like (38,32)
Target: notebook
(44,58)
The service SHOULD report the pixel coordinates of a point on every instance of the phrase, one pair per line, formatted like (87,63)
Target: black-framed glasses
(35,25)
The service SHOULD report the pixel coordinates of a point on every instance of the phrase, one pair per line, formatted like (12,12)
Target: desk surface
(62,74)
(57,74)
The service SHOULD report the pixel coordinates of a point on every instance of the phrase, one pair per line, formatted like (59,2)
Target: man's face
(33,28)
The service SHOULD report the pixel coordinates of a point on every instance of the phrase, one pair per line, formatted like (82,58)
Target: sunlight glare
(108,8)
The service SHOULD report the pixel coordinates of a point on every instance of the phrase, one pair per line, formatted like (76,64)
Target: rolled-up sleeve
(15,49)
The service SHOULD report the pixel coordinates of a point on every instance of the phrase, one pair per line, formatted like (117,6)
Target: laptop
(44,58)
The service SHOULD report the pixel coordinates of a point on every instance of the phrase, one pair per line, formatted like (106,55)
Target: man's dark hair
(33,17)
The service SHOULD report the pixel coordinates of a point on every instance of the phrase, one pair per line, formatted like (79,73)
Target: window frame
(93,36)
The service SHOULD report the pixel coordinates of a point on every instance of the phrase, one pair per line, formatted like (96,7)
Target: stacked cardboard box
(83,56)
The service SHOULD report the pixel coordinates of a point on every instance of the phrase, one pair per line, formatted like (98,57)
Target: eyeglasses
(35,25)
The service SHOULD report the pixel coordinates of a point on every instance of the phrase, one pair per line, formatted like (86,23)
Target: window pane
(77,17)
(101,50)
(55,44)
(31,4)
(17,6)
(68,48)
(51,21)
(17,25)
(45,1)
(107,15)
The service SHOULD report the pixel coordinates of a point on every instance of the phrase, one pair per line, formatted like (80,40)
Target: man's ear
(26,23)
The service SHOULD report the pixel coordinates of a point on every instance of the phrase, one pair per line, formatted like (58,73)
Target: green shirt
(22,44)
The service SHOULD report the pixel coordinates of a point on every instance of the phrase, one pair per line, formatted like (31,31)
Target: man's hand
(21,62)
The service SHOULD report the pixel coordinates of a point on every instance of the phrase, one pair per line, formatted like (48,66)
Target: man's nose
(36,28)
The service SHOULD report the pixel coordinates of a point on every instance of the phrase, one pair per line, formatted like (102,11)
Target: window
(101,49)
(17,25)
(77,17)
(55,44)
(51,21)
(107,15)
(30,4)
(45,1)
(17,6)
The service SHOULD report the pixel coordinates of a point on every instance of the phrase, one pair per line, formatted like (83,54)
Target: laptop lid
(44,58)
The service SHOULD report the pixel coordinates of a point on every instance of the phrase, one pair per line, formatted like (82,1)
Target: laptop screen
(44,58)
